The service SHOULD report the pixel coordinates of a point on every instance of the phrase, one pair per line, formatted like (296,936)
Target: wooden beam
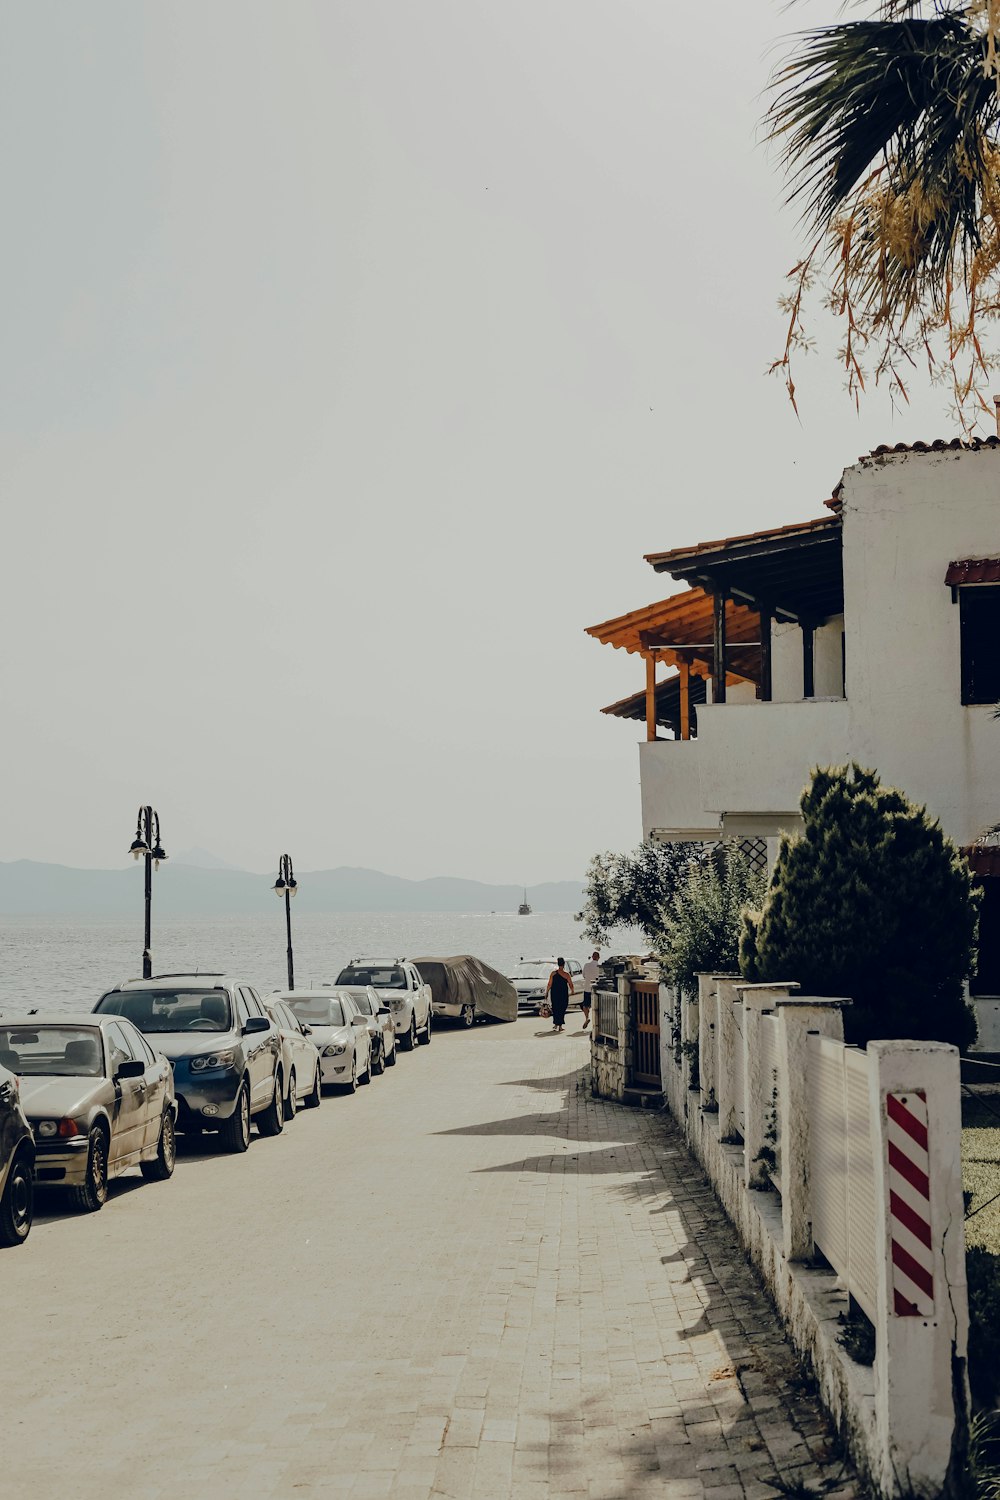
(719,652)
(808,660)
(685,692)
(650,697)
(765,653)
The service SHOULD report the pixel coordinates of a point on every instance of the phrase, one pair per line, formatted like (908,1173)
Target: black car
(223,1047)
(17,1162)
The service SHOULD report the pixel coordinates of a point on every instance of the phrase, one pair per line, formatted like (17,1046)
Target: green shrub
(703,919)
(871,902)
(631,890)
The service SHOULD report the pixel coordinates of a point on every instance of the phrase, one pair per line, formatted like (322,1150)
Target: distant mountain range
(31,889)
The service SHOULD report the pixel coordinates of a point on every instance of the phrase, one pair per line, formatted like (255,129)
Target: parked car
(339,1033)
(530,978)
(224,1049)
(97,1097)
(303,1074)
(17,1164)
(382,1027)
(398,984)
(466,990)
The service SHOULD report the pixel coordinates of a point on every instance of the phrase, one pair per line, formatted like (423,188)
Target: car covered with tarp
(465,989)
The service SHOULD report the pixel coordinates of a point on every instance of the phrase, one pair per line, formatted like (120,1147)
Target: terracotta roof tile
(795,528)
(974,570)
(984,860)
(938,445)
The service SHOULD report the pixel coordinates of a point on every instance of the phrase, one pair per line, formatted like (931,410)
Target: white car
(530,978)
(303,1073)
(339,1033)
(381,1025)
(398,984)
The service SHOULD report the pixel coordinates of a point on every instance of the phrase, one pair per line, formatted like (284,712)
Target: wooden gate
(646,1009)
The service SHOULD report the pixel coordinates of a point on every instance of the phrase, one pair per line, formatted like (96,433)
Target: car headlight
(214,1060)
(336,1050)
(47,1127)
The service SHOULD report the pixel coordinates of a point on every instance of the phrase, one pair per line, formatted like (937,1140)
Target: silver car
(380,1024)
(301,1060)
(17,1164)
(98,1098)
(339,1033)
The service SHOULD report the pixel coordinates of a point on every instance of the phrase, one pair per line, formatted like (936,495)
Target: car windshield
(171,1010)
(532,969)
(382,976)
(52,1051)
(318,1010)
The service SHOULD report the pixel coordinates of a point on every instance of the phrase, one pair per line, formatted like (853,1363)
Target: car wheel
(162,1165)
(378,1059)
(235,1133)
(468,1015)
(409,1040)
(390,1061)
(315,1099)
(425,1040)
(17,1203)
(271,1121)
(351,1087)
(92,1194)
(291,1103)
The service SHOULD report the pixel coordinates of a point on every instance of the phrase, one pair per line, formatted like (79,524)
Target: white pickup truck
(398,984)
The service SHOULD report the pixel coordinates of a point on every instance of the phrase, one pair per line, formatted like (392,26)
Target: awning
(973,570)
(681,629)
(668,704)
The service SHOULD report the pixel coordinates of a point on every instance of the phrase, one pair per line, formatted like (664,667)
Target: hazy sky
(352,356)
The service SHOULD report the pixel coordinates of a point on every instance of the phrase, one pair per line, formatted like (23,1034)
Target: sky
(353,355)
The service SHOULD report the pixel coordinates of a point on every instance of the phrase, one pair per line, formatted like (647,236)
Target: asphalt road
(467,1280)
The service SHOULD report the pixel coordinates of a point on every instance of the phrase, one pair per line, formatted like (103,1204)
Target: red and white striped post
(921,1388)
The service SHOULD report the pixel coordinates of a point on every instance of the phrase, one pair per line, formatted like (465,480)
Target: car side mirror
(384,1010)
(306,1030)
(359,1020)
(256,1023)
(131,1068)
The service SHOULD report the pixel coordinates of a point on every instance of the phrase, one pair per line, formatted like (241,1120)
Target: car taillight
(68,1128)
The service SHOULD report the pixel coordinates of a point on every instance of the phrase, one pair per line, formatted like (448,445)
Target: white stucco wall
(786,662)
(906,516)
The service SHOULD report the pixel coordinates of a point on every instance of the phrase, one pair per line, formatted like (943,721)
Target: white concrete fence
(842,1171)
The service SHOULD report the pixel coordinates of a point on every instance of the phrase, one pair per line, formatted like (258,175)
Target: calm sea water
(66,964)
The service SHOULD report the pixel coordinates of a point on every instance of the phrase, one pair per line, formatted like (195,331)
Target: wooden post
(719,653)
(808,657)
(685,690)
(650,697)
(765,653)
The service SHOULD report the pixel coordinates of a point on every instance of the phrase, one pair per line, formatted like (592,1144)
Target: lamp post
(286,885)
(146,845)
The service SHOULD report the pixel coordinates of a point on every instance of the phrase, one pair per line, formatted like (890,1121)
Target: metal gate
(646,1009)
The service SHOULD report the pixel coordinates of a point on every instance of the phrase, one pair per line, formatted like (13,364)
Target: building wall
(906,516)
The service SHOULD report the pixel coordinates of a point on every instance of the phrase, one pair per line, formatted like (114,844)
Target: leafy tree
(889,128)
(871,902)
(631,890)
(704,916)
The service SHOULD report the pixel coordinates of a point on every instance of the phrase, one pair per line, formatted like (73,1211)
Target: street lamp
(286,885)
(146,845)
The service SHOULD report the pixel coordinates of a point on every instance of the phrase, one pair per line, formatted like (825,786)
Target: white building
(870,634)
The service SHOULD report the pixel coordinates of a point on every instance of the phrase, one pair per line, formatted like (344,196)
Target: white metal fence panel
(739,1081)
(861,1279)
(828,1150)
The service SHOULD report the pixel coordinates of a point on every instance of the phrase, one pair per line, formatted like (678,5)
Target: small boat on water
(524,910)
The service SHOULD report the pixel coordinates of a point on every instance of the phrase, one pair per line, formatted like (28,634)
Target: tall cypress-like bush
(871,901)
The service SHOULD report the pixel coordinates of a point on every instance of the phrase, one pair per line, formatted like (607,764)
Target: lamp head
(279,886)
(293,887)
(138,847)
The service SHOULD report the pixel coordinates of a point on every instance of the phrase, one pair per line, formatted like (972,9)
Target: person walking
(591,974)
(558,991)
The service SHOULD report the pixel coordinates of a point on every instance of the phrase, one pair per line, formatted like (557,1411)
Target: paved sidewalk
(470,1281)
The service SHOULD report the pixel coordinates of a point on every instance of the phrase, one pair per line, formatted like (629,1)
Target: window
(242,1014)
(121,1050)
(979,617)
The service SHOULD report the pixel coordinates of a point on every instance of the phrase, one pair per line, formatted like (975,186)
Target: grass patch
(981,1171)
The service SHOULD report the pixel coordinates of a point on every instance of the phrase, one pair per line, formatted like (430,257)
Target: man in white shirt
(591,973)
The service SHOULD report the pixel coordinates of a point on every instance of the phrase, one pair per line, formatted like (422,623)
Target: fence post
(759,1088)
(708,1024)
(727,1040)
(796,1019)
(921,1386)
(689,1033)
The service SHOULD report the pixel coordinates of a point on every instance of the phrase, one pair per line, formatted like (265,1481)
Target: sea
(50,963)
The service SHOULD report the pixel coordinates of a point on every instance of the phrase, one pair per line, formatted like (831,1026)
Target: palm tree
(889,128)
